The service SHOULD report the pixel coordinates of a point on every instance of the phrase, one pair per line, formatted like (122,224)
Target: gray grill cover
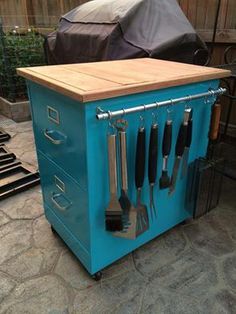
(121,29)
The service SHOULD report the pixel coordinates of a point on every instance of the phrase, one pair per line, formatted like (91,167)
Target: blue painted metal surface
(69,127)
(80,162)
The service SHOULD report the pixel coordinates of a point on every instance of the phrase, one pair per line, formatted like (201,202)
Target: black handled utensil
(187,145)
(166,148)
(142,216)
(179,149)
(152,165)
(124,200)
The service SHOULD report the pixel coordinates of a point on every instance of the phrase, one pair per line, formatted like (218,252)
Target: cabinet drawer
(67,200)
(59,131)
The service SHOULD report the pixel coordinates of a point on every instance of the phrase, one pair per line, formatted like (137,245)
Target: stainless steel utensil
(179,149)
(130,213)
(114,210)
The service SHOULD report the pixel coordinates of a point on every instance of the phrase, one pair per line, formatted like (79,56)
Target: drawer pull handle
(56,198)
(55,137)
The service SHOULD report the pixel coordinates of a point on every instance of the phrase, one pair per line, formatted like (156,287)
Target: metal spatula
(130,213)
(179,149)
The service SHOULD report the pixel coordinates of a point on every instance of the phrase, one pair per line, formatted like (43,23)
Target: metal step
(4,136)
(16,179)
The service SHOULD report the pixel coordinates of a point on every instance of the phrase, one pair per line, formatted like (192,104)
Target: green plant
(18,49)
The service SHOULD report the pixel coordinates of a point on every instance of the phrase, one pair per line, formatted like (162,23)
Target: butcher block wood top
(101,80)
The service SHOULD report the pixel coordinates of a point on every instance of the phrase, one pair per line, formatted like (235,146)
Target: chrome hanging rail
(107,115)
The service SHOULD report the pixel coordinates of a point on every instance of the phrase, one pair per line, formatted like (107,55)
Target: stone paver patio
(190,269)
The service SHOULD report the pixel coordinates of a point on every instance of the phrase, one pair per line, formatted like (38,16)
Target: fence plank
(13,13)
(231,15)
(222,36)
(211,7)
(71,4)
(200,14)
(184,6)
(192,12)
(223,14)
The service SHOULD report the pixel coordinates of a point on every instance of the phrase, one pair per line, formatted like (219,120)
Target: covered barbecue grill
(122,29)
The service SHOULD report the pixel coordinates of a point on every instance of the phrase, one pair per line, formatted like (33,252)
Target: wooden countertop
(100,80)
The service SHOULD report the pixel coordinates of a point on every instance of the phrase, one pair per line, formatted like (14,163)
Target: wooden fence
(201,14)
(39,13)
(46,13)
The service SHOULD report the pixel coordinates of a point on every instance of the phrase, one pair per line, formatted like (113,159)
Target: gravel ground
(190,269)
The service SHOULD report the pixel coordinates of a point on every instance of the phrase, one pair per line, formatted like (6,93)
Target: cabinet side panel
(171,210)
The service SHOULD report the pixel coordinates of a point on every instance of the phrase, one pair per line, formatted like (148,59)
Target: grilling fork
(142,215)
(152,166)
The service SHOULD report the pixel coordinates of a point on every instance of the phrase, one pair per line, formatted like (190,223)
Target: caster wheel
(97,276)
(53,230)
(186,222)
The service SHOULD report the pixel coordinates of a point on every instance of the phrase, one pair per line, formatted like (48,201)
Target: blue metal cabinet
(59,128)
(74,171)
(66,199)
